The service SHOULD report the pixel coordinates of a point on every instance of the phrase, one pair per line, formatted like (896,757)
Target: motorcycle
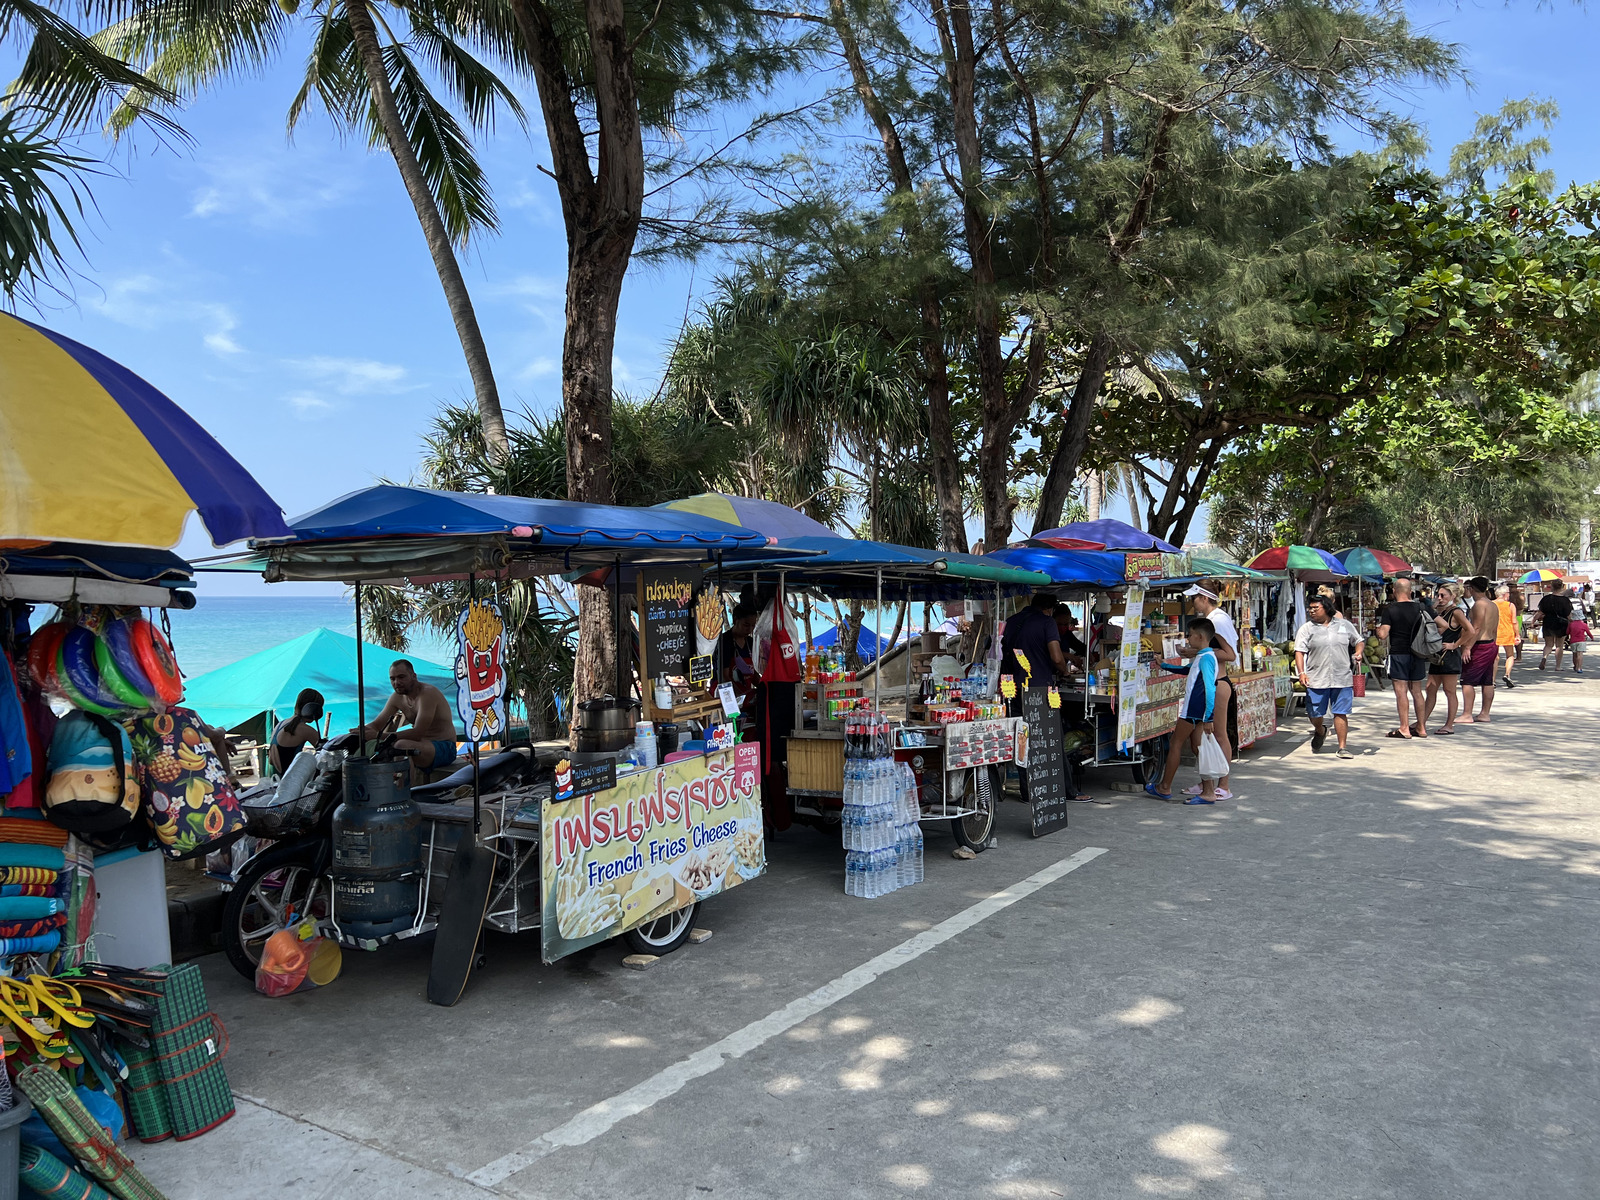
(288,875)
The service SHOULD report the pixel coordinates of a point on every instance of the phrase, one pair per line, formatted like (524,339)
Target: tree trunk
(1093,489)
(945,462)
(601,207)
(1074,440)
(365,35)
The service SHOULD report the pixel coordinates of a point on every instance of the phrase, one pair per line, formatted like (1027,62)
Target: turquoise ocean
(223,629)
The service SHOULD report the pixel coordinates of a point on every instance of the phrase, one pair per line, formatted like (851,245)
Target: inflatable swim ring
(112,678)
(42,649)
(77,668)
(118,636)
(64,688)
(154,655)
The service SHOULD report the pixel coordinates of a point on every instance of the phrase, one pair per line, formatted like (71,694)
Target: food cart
(1126,706)
(584,849)
(953,731)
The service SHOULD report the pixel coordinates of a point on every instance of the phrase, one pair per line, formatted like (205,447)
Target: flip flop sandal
(1150,789)
(60,998)
(1395,733)
(1442,732)
(1198,800)
(19,1006)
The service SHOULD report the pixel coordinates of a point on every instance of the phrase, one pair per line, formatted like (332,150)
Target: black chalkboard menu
(1044,779)
(666,618)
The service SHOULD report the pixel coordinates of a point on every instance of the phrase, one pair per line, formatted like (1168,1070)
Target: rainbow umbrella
(93,453)
(1298,558)
(1540,575)
(1363,560)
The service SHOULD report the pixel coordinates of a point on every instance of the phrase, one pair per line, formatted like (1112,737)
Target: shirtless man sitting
(428,732)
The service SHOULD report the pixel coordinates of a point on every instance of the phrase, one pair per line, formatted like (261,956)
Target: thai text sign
(1142,566)
(1130,674)
(658,842)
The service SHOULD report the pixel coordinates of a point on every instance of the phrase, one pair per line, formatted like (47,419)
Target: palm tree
(42,192)
(369,82)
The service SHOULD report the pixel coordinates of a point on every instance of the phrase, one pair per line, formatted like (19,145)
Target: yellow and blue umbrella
(90,452)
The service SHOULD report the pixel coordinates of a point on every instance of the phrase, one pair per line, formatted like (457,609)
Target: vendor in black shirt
(1033,632)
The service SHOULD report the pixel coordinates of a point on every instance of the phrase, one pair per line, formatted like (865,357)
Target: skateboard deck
(466,903)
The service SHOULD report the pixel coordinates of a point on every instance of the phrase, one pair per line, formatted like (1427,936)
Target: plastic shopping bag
(1213,762)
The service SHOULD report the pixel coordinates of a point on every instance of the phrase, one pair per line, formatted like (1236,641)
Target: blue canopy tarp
(848,568)
(1067,568)
(322,659)
(392,532)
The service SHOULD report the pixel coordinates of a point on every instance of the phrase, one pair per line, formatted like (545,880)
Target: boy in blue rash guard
(1199,702)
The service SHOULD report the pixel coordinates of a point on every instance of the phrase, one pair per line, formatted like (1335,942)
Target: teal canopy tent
(269,681)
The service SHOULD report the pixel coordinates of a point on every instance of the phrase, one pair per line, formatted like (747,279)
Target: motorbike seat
(494,770)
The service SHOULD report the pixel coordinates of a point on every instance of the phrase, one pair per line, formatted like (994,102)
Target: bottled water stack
(882,839)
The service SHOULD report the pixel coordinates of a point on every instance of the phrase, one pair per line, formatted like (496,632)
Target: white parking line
(598,1118)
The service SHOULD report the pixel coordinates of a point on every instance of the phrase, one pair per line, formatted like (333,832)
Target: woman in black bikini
(291,735)
(1446,675)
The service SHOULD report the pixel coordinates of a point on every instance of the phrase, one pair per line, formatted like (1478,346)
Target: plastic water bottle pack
(879,826)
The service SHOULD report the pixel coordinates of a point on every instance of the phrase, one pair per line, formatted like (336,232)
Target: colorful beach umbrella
(92,453)
(764,516)
(1364,560)
(1297,558)
(1105,534)
(1540,575)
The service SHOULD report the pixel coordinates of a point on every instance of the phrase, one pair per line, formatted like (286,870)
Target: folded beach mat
(29,908)
(189,1043)
(34,830)
(46,876)
(83,1136)
(146,1094)
(47,1176)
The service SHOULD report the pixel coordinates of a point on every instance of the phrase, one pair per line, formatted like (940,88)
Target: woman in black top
(1555,615)
(1446,675)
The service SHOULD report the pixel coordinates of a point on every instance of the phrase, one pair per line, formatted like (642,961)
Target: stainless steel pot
(606,724)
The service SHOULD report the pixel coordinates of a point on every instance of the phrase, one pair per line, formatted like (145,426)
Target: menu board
(1130,673)
(659,841)
(666,618)
(979,743)
(1258,708)
(1044,775)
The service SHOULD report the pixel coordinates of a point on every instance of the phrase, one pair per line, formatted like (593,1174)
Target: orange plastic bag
(297,959)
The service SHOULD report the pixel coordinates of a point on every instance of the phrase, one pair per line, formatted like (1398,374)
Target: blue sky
(282,294)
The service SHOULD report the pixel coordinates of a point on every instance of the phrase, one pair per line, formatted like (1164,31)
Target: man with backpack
(1408,626)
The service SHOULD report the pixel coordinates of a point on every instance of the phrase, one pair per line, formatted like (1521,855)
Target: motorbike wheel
(1149,757)
(974,830)
(269,887)
(664,934)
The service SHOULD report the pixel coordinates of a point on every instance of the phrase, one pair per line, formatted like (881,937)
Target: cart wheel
(480,962)
(974,830)
(1150,756)
(664,934)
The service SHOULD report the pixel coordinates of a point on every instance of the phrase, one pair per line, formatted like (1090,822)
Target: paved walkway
(1367,978)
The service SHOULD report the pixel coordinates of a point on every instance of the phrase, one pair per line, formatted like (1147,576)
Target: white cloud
(528,287)
(352,376)
(540,368)
(147,303)
(308,407)
(267,191)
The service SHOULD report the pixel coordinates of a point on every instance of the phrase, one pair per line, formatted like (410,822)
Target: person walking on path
(1519,605)
(1508,636)
(1555,614)
(1577,642)
(1445,675)
(1324,655)
(1477,668)
(1196,712)
(1398,624)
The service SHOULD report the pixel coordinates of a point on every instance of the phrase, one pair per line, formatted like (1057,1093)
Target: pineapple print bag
(188,801)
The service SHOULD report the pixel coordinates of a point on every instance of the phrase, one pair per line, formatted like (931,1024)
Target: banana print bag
(187,798)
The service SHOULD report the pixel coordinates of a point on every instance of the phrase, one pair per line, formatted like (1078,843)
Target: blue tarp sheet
(389,510)
(1084,568)
(1112,534)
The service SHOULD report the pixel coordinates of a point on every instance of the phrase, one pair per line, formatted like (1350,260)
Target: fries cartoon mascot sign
(481,671)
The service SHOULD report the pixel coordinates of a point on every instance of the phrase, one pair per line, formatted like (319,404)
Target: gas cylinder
(377,849)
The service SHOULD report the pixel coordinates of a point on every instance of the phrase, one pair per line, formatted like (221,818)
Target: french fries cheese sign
(658,842)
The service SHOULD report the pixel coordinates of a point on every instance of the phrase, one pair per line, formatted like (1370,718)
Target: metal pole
(477,781)
(361,681)
(877,635)
(616,632)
